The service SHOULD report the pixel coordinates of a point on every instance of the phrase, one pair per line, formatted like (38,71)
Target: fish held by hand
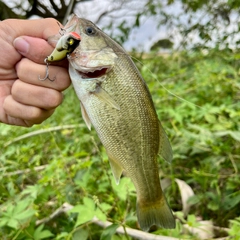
(115,99)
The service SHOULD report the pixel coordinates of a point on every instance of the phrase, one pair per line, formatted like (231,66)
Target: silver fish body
(116,101)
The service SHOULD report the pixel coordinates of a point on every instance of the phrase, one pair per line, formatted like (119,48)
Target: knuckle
(53,98)
(38,115)
(15,88)
(63,79)
(42,116)
(35,114)
(21,67)
(28,124)
(51,29)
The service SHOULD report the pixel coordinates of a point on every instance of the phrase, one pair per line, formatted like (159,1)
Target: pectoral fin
(165,149)
(116,170)
(106,98)
(85,116)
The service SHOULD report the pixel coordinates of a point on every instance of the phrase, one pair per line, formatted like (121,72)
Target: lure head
(65,46)
(68,42)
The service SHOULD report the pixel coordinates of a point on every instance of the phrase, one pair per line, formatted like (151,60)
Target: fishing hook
(47,73)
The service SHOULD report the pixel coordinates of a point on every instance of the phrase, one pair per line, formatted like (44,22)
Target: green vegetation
(196,95)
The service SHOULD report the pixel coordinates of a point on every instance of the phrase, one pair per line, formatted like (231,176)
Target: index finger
(37,71)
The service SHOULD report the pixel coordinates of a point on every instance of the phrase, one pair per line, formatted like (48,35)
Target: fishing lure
(65,46)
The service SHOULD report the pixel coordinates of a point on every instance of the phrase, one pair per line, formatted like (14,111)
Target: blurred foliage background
(59,165)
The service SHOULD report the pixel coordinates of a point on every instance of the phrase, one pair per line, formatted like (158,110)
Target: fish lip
(89,69)
(96,72)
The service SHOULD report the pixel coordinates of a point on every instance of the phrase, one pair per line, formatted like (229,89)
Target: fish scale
(118,104)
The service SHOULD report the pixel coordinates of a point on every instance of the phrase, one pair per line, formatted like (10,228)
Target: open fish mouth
(93,74)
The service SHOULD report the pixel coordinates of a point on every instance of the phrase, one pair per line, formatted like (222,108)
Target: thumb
(29,37)
(35,49)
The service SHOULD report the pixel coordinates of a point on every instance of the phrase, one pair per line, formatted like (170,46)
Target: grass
(197,99)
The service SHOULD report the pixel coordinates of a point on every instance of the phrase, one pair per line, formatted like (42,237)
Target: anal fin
(116,170)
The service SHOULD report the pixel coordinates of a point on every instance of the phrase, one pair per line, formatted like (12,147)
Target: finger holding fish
(62,80)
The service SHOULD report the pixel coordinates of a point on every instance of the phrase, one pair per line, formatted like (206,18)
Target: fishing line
(171,93)
(153,75)
(167,90)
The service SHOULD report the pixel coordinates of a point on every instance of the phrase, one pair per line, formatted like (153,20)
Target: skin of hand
(24,99)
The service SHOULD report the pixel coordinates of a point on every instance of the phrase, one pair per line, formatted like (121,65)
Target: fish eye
(90,31)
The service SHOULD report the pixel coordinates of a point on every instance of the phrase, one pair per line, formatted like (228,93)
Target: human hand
(24,99)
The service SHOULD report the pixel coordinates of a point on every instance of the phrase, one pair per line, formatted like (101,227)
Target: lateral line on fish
(171,93)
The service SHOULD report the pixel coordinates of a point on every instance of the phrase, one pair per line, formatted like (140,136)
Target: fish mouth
(93,73)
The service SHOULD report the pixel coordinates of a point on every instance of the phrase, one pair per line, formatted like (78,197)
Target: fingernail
(21,45)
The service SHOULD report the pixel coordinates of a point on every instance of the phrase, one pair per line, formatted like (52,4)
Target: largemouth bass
(116,101)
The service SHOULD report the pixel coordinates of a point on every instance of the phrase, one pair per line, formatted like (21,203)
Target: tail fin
(157,213)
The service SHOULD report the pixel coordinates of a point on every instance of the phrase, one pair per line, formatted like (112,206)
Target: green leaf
(234,134)
(62,235)
(33,191)
(86,212)
(21,206)
(100,215)
(234,230)
(108,232)
(232,200)
(84,216)
(11,190)
(124,188)
(17,215)
(80,234)
(105,206)
(3,221)
(192,221)
(89,203)
(41,234)
(13,223)
(210,118)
